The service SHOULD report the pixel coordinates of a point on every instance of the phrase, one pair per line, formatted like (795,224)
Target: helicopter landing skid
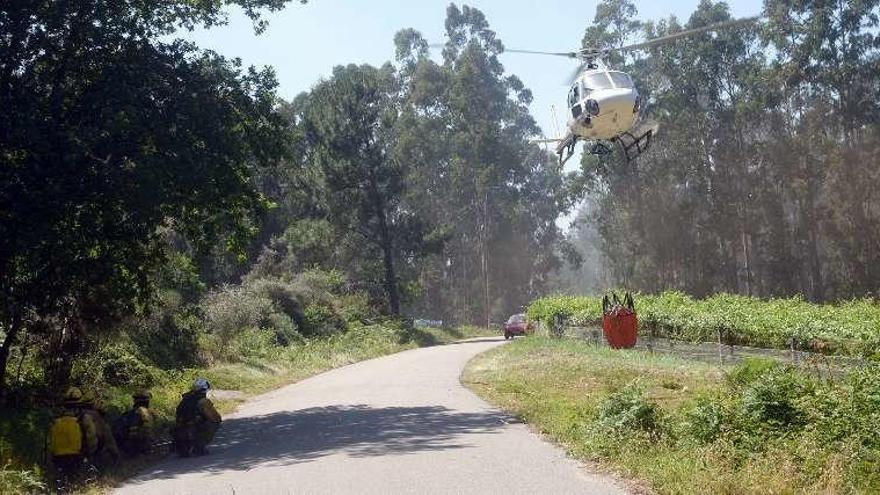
(600,149)
(634,146)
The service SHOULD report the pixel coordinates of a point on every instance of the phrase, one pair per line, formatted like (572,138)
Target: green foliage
(851,327)
(703,420)
(122,368)
(14,480)
(349,125)
(750,369)
(169,335)
(323,318)
(22,437)
(758,429)
(627,411)
(775,397)
(90,173)
(232,309)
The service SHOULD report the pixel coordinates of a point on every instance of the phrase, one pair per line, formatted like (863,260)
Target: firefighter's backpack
(65,436)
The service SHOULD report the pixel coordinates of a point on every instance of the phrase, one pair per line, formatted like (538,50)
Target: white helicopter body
(603,105)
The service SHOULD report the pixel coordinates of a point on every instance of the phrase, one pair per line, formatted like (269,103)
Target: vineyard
(851,328)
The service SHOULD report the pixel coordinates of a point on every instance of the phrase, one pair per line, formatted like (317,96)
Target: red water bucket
(620,324)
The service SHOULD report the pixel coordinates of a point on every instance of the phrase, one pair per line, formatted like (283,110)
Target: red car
(516,325)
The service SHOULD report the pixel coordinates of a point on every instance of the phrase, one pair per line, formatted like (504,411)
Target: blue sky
(304,42)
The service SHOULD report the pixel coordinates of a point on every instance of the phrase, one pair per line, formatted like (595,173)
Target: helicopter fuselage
(603,104)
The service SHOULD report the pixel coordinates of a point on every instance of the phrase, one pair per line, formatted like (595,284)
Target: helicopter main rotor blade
(556,54)
(683,34)
(574,55)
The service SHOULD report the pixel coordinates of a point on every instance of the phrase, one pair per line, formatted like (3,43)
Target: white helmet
(200,384)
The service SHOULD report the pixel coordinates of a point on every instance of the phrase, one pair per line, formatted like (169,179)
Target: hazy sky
(304,42)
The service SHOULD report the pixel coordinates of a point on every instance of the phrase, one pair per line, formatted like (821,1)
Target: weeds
(759,427)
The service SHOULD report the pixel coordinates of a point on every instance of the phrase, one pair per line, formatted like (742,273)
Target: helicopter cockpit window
(596,80)
(620,79)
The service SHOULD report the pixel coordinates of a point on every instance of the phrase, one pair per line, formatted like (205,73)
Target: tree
(464,133)
(350,123)
(110,131)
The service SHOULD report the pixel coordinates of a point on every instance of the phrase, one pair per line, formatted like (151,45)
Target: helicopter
(605,108)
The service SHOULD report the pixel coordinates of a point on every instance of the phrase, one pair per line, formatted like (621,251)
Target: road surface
(397,424)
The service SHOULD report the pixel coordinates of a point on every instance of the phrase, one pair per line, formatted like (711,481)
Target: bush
(170,336)
(355,308)
(750,369)
(284,330)
(121,367)
(327,281)
(773,398)
(233,309)
(289,310)
(704,420)
(323,319)
(627,411)
(285,297)
(250,344)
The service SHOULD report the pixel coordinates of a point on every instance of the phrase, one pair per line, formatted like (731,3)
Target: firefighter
(103,449)
(135,429)
(70,438)
(197,421)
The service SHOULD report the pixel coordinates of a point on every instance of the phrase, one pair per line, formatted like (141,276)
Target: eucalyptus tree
(465,129)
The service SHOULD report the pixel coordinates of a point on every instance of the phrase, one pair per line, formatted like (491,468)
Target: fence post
(651,340)
(794,352)
(720,349)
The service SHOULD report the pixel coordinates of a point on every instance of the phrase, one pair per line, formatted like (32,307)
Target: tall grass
(687,427)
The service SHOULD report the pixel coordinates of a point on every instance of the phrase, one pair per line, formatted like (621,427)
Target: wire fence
(724,351)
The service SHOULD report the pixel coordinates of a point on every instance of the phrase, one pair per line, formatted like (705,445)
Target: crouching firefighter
(105,452)
(73,440)
(197,421)
(135,430)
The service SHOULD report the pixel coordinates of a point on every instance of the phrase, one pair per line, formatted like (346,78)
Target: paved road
(398,424)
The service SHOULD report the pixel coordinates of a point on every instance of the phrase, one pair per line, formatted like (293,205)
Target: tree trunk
(391,279)
(387,244)
(5,350)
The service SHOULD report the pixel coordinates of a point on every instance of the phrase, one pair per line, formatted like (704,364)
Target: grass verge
(682,426)
(22,431)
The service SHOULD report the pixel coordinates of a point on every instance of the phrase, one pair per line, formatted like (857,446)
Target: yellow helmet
(73,395)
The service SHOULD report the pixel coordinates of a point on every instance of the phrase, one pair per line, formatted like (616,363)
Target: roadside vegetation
(261,365)
(851,327)
(683,426)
